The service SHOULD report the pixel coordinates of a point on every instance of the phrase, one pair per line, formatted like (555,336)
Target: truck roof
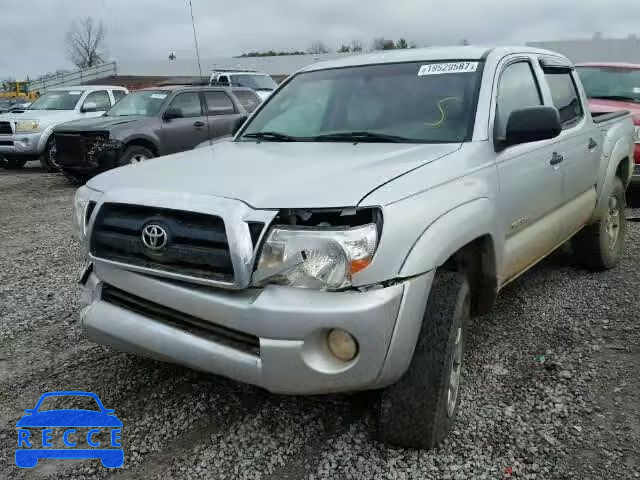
(173,88)
(86,87)
(609,64)
(427,54)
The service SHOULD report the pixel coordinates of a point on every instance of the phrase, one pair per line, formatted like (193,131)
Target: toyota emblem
(154,237)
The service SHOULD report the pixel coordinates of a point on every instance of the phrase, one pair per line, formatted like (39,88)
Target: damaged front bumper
(87,152)
(272,337)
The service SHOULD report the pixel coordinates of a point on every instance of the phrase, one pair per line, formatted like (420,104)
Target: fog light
(342,344)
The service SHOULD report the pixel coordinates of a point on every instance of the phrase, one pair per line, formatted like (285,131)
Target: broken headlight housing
(82,208)
(315,258)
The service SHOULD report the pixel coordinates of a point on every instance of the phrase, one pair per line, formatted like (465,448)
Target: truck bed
(604,117)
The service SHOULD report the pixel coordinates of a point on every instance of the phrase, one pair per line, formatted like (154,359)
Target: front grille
(5,128)
(6,143)
(196,243)
(80,149)
(181,321)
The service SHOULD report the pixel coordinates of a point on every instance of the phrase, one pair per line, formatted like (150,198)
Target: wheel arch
(142,142)
(464,240)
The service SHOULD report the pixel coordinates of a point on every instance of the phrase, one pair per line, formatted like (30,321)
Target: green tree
(344,49)
(402,43)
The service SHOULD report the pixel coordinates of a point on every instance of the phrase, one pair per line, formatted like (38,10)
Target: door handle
(556,158)
(198,124)
(592,144)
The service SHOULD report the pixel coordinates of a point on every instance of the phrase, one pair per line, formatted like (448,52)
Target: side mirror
(172,113)
(237,124)
(532,124)
(89,107)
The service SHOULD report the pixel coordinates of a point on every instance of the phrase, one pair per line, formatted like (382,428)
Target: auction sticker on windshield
(442,68)
(159,95)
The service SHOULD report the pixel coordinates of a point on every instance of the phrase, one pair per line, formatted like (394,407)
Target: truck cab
(261,83)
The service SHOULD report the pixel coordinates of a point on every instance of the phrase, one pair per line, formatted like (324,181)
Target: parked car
(615,86)
(150,123)
(26,134)
(261,83)
(13,104)
(351,228)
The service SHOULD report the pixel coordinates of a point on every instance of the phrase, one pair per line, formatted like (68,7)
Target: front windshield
(615,83)
(413,102)
(257,82)
(145,103)
(57,100)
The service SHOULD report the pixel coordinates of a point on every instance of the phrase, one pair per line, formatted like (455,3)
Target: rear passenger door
(577,145)
(222,112)
(530,186)
(188,129)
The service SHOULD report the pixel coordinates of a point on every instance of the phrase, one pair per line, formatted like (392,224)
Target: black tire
(48,157)
(12,163)
(75,177)
(594,246)
(414,412)
(130,153)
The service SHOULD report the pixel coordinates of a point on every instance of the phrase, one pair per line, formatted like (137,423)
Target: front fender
(449,233)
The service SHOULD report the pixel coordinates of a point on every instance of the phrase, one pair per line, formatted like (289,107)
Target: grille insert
(181,321)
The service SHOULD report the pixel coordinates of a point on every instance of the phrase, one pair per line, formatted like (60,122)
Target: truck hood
(46,117)
(598,105)
(97,123)
(278,175)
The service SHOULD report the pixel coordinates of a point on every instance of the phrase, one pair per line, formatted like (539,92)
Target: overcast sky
(33,36)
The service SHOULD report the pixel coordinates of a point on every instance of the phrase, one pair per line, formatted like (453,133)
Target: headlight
(26,126)
(80,205)
(322,259)
(636,135)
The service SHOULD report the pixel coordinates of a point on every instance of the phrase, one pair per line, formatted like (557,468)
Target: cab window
(517,89)
(100,98)
(565,97)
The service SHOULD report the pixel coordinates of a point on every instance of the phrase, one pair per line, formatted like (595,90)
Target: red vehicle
(614,86)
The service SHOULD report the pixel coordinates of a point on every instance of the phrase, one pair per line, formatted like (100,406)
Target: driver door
(531,192)
(189,129)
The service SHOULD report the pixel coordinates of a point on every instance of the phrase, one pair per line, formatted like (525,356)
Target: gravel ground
(551,385)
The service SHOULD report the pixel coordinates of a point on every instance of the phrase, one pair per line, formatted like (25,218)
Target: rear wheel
(599,246)
(12,163)
(135,154)
(48,157)
(420,409)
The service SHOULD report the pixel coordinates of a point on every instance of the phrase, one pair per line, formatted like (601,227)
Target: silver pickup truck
(363,214)
(26,135)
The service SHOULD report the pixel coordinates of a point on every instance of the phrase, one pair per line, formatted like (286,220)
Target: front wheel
(48,157)
(135,154)
(420,409)
(599,246)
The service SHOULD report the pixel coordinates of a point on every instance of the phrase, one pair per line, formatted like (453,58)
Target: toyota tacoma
(346,234)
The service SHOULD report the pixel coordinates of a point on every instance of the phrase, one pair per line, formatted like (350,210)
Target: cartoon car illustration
(71,418)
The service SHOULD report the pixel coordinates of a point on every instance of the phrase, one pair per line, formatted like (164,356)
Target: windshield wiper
(271,136)
(363,137)
(620,98)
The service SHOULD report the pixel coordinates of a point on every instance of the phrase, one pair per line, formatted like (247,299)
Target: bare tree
(356,45)
(84,41)
(318,47)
